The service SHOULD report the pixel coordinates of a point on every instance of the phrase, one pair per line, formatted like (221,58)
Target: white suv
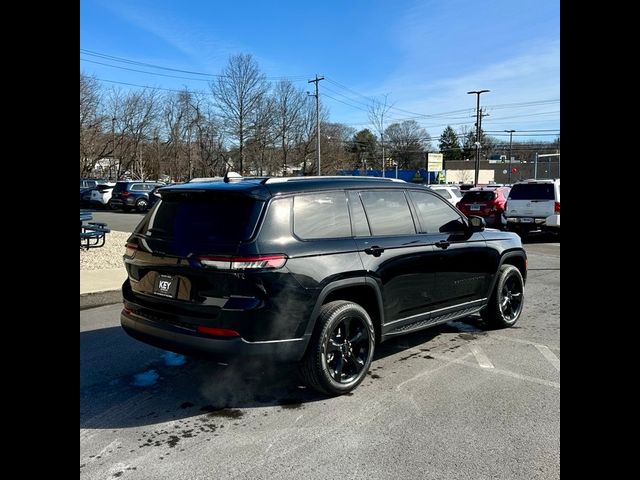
(451,193)
(534,204)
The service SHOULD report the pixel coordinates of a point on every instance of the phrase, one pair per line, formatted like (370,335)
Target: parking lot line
(549,355)
(507,373)
(448,361)
(482,359)
(517,340)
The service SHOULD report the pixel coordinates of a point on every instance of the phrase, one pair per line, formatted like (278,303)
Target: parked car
(86,185)
(129,195)
(101,195)
(451,193)
(486,202)
(534,204)
(315,270)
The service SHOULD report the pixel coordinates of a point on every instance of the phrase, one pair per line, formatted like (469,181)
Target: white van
(532,205)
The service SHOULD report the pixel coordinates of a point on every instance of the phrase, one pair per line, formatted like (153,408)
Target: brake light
(556,208)
(131,249)
(218,332)
(125,194)
(253,262)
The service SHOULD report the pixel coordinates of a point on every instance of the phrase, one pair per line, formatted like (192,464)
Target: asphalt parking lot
(455,401)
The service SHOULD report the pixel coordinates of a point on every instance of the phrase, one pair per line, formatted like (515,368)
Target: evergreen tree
(449,145)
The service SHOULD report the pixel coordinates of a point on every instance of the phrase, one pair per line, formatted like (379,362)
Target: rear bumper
(552,221)
(188,341)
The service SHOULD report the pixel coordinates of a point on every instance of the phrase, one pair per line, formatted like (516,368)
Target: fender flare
(340,284)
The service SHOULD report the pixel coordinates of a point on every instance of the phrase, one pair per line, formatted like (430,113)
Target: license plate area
(526,220)
(166,286)
(474,208)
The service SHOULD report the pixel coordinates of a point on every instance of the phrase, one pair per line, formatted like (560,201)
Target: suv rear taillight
(125,194)
(254,262)
(556,208)
(131,249)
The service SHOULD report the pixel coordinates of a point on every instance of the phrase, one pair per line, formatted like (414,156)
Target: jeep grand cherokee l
(313,270)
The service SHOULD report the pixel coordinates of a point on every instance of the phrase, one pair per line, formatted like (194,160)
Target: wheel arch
(362,290)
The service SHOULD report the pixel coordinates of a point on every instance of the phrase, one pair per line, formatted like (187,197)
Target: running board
(436,320)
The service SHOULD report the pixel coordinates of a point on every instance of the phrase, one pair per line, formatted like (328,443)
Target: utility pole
(317,95)
(478,93)
(510,132)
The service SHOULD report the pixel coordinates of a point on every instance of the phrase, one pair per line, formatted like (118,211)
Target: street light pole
(510,132)
(477,92)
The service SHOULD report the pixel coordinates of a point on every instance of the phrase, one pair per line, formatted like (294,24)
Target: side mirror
(476,223)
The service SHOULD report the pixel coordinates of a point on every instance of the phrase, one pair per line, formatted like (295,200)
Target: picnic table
(92,234)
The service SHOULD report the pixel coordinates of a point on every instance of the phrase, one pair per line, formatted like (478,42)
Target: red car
(486,202)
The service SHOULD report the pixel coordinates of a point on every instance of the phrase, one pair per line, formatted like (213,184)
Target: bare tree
(304,134)
(94,143)
(408,142)
(262,136)
(377,111)
(237,93)
(289,103)
(138,114)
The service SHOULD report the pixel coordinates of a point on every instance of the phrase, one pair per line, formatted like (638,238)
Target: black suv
(133,195)
(314,270)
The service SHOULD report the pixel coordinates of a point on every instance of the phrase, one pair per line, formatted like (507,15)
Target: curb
(98,299)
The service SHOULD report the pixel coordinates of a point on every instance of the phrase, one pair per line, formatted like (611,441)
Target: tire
(341,349)
(507,299)
(142,205)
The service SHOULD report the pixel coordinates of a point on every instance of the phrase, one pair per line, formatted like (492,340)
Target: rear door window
(388,212)
(323,215)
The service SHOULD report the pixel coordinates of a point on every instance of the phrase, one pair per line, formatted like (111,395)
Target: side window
(322,215)
(435,214)
(358,217)
(388,212)
(137,187)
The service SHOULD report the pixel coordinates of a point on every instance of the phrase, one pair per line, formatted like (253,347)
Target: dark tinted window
(532,191)
(483,196)
(120,187)
(193,219)
(434,213)
(137,187)
(388,212)
(358,217)
(323,215)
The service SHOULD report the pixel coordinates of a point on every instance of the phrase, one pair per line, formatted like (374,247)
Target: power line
(160,67)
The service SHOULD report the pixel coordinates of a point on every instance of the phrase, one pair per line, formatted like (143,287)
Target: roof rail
(329,177)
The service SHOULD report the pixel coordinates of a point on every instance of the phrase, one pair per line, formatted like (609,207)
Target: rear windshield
(532,191)
(484,196)
(190,220)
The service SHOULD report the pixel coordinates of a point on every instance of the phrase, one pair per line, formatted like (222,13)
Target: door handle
(375,251)
(442,244)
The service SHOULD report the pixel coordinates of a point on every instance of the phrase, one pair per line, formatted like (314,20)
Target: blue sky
(424,54)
